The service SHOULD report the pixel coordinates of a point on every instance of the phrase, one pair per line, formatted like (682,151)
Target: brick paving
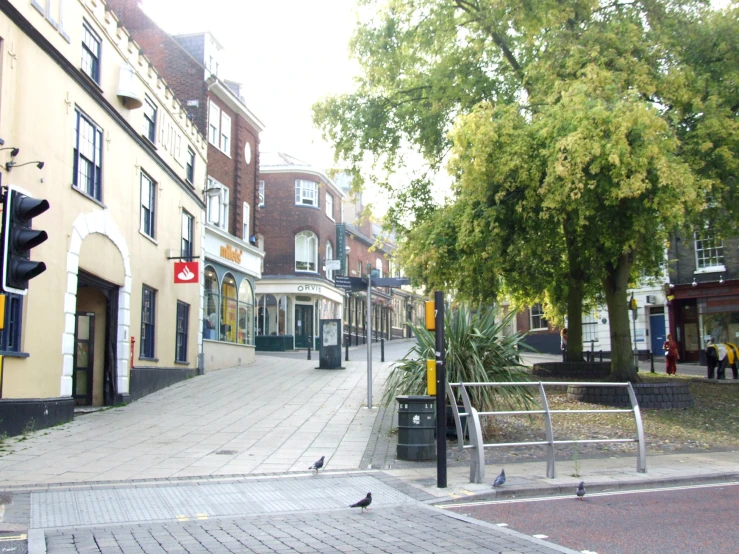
(395,529)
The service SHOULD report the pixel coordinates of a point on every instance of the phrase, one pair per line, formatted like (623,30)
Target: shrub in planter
(476,350)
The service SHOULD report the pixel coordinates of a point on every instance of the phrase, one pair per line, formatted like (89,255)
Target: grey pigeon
(318,464)
(581,490)
(364,503)
(500,479)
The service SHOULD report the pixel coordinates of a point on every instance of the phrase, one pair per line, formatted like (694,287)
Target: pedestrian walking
(563,343)
(671,355)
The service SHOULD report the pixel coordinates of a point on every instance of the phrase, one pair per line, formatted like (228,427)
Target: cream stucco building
(124,172)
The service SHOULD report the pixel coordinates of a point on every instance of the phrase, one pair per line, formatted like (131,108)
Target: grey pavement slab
(276,415)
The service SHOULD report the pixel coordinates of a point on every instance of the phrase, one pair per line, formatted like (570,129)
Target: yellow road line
(14,538)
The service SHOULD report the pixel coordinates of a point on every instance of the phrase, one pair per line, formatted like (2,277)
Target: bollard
(601,355)
(651,362)
(309,350)
(382,349)
(346,347)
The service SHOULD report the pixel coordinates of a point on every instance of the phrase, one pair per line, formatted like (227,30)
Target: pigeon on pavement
(364,503)
(317,464)
(581,490)
(500,479)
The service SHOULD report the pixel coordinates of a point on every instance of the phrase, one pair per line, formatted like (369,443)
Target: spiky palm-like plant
(476,351)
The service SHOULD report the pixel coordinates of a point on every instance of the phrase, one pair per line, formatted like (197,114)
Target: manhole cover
(225,452)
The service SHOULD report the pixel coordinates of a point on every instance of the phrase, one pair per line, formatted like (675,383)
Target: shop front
(287,312)
(704,312)
(231,271)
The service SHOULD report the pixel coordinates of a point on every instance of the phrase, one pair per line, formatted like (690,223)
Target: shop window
(211,304)
(246,313)
(229,309)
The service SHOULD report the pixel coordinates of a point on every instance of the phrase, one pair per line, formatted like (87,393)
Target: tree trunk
(575,286)
(574,320)
(615,284)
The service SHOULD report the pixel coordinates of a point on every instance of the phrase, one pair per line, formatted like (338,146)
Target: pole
(440,391)
(633,321)
(382,349)
(369,339)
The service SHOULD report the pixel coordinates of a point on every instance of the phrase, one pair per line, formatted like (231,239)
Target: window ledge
(710,269)
(144,358)
(147,139)
(83,193)
(308,206)
(181,363)
(12,354)
(92,81)
(152,239)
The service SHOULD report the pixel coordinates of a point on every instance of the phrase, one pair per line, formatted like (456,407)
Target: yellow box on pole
(2,311)
(430,315)
(431,376)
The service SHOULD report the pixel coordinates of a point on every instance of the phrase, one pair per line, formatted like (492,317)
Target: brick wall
(280,220)
(683,263)
(186,77)
(233,171)
(183,73)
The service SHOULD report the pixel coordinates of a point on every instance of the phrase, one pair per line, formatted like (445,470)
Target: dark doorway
(95,341)
(84,357)
(303,326)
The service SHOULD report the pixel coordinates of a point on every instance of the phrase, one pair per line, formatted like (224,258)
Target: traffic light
(17,239)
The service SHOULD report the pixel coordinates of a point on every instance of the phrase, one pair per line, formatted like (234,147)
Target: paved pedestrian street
(305,515)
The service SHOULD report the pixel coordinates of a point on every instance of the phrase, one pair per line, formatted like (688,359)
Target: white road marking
(590,495)
(540,536)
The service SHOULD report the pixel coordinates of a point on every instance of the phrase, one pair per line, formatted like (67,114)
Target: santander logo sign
(186,272)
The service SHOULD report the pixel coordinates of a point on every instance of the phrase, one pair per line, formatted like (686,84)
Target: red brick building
(301,207)
(190,64)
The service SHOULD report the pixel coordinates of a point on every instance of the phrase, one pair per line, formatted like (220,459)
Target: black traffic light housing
(18,238)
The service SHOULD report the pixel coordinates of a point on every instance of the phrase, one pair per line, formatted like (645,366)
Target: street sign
(333,265)
(350,283)
(390,281)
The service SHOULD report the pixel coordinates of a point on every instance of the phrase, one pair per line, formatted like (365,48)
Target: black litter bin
(416,428)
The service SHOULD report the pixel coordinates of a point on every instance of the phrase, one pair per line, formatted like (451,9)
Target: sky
(287,53)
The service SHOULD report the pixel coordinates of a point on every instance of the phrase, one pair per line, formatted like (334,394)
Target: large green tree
(580,139)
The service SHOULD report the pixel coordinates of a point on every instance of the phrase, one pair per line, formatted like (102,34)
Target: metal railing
(477,458)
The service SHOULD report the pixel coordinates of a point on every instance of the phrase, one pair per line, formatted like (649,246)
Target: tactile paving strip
(50,509)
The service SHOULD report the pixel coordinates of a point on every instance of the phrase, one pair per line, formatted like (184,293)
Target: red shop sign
(186,272)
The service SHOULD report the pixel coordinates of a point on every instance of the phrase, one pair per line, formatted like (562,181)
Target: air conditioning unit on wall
(651,299)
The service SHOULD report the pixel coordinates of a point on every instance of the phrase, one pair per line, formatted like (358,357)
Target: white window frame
(306,252)
(330,206)
(217,192)
(306,193)
(537,311)
(709,252)
(225,145)
(245,220)
(261,193)
(329,256)
(379,266)
(148,205)
(589,329)
(187,247)
(214,124)
(151,111)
